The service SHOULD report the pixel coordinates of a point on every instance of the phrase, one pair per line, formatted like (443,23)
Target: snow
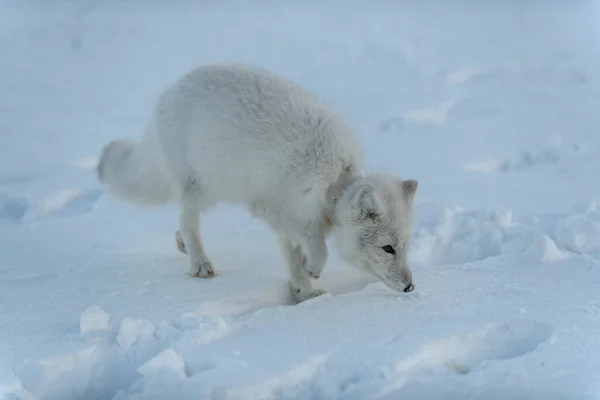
(491,105)
(580,232)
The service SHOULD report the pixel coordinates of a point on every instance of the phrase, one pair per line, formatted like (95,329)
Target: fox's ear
(409,188)
(366,203)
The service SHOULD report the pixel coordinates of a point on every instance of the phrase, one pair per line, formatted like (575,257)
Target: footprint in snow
(15,179)
(12,209)
(435,115)
(87,163)
(67,203)
(469,75)
(465,352)
(556,153)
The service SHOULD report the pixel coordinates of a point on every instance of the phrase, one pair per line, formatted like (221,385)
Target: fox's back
(247,133)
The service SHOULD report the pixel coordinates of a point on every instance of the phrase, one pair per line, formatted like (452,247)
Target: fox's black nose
(409,288)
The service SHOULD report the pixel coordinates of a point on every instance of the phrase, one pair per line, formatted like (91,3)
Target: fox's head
(375,224)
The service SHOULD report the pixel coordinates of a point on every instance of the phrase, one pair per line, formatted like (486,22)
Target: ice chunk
(166,361)
(134,330)
(580,233)
(93,319)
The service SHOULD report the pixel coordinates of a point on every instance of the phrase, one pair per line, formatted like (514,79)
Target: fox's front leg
(300,282)
(315,250)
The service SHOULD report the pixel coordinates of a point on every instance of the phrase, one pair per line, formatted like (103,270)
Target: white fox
(242,135)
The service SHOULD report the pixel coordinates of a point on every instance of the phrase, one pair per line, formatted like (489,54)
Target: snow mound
(545,250)
(463,236)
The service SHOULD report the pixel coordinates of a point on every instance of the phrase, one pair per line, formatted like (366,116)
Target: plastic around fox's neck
(345,180)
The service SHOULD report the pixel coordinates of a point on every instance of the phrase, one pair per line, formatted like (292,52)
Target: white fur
(241,135)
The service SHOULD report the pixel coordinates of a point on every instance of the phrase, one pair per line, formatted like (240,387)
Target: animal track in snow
(434,115)
(273,297)
(12,209)
(466,351)
(459,236)
(285,385)
(555,153)
(68,203)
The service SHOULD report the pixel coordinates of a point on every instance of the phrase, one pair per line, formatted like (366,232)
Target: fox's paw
(180,244)
(304,293)
(202,268)
(313,270)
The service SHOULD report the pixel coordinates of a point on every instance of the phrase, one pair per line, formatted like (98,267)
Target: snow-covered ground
(492,105)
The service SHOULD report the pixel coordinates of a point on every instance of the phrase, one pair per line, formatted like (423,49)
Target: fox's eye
(389,249)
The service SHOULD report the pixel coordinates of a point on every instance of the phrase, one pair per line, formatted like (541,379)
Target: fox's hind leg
(188,236)
(180,244)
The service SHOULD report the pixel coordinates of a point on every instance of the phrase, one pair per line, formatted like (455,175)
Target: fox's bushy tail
(135,172)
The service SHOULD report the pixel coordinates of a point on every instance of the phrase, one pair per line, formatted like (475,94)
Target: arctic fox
(240,134)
